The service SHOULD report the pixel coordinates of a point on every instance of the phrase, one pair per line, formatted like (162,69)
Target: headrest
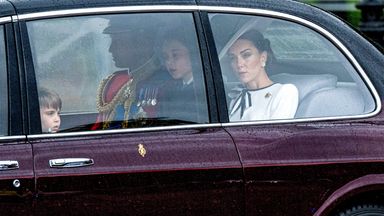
(306,83)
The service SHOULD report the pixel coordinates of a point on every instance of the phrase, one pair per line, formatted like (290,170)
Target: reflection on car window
(288,69)
(121,70)
(3,87)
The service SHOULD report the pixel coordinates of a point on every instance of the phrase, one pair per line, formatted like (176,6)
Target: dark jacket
(182,102)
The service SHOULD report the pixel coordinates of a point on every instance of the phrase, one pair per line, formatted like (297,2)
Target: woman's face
(247,61)
(177,60)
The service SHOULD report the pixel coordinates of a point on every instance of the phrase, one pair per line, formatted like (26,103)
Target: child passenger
(50,106)
(179,100)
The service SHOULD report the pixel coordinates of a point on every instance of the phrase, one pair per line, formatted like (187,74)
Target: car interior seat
(320,95)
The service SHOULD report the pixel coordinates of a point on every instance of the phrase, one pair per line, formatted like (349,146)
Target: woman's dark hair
(261,43)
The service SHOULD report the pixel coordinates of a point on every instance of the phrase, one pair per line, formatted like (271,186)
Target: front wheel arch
(362,210)
(368,189)
(371,198)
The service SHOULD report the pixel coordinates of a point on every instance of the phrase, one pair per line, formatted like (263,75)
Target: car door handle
(70,162)
(9,165)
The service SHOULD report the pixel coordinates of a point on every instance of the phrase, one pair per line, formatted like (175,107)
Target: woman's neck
(261,82)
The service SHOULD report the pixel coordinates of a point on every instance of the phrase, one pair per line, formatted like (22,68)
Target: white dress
(277,101)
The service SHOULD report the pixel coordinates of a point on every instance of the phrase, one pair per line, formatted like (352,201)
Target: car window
(3,86)
(118,71)
(277,69)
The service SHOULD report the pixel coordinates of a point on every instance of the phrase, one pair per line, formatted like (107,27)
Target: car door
(17,187)
(170,161)
(293,163)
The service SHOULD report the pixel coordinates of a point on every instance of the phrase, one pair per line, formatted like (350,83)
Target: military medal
(140,97)
(144,99)
(149,97)
(154,97)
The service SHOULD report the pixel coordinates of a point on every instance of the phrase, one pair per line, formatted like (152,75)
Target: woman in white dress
(260,98)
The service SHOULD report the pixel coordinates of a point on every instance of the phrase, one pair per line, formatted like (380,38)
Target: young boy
(50,106)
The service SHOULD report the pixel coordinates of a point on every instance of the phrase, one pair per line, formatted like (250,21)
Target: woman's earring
(262,64)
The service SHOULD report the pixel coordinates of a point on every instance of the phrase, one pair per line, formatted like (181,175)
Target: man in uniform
(124,95)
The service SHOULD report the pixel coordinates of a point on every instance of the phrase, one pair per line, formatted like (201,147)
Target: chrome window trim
(121,131)
(5,19)
(180,8)
(77,112)
(12,138)
(105,10)
(306,121)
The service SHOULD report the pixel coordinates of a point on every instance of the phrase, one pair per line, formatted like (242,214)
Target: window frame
(16,114)
(211,63)
(318,29)
(34,117)
(33,114)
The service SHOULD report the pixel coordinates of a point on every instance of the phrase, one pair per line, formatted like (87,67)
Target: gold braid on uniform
(109,109)
(126,95)
(103,106)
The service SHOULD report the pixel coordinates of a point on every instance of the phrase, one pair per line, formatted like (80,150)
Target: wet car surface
(130,141)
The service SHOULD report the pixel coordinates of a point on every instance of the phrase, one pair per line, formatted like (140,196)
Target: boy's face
(50,119)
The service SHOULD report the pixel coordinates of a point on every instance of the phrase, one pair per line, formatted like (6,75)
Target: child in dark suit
(179,99)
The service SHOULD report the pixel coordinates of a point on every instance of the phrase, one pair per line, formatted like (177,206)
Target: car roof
(286,6)
(28,6)
(6,8)
(32,6)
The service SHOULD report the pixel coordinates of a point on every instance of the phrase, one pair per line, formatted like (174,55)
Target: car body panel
(313,158)
(16,200)
(184,171)
(291,167)
(366,183)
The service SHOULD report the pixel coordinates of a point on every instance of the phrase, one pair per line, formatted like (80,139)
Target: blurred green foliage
(345,9)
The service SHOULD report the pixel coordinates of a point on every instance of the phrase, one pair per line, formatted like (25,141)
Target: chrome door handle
(9,165)
(70,162)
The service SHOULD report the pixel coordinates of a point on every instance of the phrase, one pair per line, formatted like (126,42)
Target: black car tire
(363,210)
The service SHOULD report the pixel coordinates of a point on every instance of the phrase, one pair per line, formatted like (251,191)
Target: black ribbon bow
(243,103)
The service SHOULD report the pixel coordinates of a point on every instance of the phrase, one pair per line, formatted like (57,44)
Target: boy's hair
(49,98)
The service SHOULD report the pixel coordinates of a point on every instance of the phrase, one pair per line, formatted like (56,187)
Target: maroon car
(187,107)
